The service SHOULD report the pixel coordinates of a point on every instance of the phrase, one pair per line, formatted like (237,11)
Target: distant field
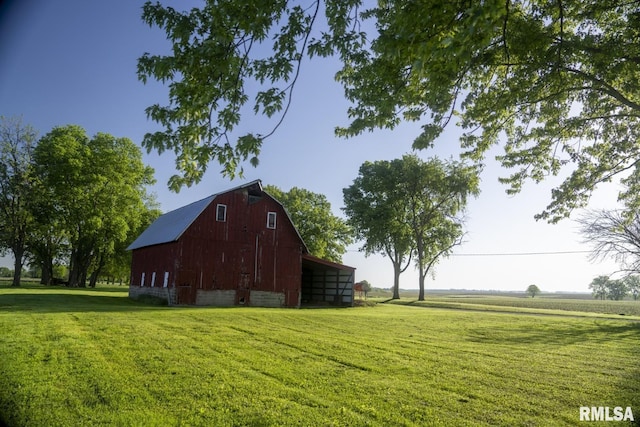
(94,357)
(559,303)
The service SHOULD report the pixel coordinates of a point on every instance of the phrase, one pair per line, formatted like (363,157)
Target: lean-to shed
(237,247)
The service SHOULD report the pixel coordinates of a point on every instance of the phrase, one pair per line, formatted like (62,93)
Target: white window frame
(271,215)
(224,215)
(153,279)
(166,279)
(142,280)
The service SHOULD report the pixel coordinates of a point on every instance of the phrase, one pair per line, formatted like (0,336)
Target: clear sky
(74,62)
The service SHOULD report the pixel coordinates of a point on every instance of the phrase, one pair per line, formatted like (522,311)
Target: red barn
(238,247)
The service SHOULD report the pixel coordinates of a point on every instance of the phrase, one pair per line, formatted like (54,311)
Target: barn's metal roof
(170,226)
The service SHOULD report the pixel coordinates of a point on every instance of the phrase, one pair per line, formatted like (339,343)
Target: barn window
(221,213)
(153,279)
(166,279)
(271,220)
(142,279)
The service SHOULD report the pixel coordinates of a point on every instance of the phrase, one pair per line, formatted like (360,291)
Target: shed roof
(325,264)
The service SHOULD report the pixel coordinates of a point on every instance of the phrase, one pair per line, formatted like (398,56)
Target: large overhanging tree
(557,83)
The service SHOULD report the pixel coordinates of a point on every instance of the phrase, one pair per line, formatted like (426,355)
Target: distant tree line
(71,200)
(603,288)
(6,272)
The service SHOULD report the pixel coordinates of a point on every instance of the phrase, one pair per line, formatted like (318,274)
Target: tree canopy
(533,290)
(556,83)
(93,193)
(598,287)
(17,141)
(408,207)
(374,208)
(325,235)
(603,287)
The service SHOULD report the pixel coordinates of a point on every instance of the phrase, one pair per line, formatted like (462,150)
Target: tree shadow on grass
(67,300)
(595,334)
(596,330)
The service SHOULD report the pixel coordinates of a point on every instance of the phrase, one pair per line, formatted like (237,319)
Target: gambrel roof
(170,226)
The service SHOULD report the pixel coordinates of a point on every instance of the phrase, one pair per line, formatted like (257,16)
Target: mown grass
(576,307)
(94,357)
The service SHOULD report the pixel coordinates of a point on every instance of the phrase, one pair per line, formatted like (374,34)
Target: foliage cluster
(325,235)
(555,83)
(94,357)
(604,287)
(410,209)
(70,199)
(533,290)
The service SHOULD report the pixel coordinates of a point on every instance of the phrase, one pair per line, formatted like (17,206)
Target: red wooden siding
(239,254)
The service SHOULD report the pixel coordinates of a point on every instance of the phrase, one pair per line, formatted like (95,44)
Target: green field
(550,304)
(75,357)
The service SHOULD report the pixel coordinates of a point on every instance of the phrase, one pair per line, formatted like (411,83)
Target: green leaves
(216,54)
(555,83)
(17,181)
(92,193)
(325,235)
(408,206)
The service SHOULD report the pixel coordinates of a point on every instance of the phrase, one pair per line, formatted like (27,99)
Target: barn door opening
(326,282)
(186,287)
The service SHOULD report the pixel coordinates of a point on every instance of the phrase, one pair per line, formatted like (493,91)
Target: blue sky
(74,62)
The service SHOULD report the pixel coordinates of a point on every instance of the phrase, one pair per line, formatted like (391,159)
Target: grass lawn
(577,307)
(94,357)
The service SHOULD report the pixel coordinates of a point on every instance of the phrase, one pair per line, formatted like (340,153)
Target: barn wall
(239,254)
(267,299)
(216,297)
(150,266)
(167,294)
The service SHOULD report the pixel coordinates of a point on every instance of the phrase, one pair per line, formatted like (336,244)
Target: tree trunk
(396,280)
(47,270)
(93,278)
(74,274)
(421,286)
(421,273)
(83,278)
(46,276)
(18,254)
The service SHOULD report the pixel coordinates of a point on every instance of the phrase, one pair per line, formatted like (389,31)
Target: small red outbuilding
(238,247)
